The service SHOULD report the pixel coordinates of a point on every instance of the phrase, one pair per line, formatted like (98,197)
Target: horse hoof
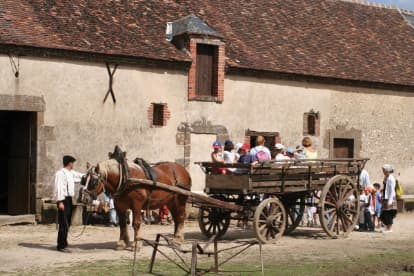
(120,245)
(176,242)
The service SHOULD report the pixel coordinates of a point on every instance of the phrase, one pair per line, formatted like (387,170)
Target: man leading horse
(64,182)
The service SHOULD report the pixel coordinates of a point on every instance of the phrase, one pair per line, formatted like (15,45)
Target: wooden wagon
(272,195)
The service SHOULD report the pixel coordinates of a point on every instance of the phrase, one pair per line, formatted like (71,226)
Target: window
(311,123)
(205,73)
(343,148)
(158,114)
(271,138)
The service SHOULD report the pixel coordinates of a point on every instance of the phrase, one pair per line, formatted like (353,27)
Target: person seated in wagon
(217,157)
(260,152)
(280,153)
(310,152)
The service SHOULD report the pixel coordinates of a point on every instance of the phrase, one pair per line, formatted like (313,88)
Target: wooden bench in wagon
(272,195)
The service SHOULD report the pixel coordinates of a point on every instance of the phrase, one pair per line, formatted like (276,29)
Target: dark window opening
(311,124)
(271,138)
(343,148)
(158,115)
(205,73)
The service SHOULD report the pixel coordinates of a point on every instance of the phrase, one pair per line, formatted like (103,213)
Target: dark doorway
(17,161)
(343,148)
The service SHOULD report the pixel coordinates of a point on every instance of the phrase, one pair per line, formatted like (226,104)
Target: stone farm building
(165,78)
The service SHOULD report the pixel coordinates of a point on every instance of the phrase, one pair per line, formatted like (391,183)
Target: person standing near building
(64,191)
(364,180)
(389,201)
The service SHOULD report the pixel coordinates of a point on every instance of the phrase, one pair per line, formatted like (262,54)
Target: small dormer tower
(206,48)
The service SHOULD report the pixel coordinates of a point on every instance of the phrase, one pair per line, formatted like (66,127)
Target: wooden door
(343,148)
(205,69)
(19,164)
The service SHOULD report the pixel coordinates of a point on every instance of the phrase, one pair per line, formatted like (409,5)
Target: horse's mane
(111,166)
(108,166)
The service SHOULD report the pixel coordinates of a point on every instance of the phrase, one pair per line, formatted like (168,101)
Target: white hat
(388,168)
(238,146)
(279,146)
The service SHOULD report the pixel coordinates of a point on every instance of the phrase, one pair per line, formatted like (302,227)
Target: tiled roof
(322,38)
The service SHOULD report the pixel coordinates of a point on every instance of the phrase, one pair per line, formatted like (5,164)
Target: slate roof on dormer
(191,24)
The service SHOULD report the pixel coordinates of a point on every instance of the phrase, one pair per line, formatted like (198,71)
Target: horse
(111,177)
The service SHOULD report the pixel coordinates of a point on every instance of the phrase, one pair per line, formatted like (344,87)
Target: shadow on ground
(83,246)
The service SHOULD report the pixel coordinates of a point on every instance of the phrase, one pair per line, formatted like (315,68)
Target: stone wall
(76,121)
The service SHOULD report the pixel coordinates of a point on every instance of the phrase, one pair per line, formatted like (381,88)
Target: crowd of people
(242,153)
(378,202)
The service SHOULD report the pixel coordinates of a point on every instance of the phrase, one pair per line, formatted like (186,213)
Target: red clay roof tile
(324,38)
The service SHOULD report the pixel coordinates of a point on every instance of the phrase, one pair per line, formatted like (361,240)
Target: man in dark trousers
(65,180)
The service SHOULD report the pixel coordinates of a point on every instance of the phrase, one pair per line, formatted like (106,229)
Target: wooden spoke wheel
(339,206)
(294,214)
(269,220)
(213,221)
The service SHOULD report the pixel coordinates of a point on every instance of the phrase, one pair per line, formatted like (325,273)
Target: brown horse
(109,176)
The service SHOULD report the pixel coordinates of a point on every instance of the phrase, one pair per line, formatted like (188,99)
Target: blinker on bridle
(92,180)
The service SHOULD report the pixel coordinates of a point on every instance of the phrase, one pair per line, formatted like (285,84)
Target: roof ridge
(379,5)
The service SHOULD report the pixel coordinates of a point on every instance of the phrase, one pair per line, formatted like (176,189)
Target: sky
(404,4)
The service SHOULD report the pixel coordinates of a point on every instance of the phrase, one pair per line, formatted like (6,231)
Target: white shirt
(364,179)
(229,157)
(65,183)
(390,189)
(281,157)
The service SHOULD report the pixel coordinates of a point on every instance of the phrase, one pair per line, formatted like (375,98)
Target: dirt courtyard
(26,248)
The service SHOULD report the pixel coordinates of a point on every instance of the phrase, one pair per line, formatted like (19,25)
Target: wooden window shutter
(205,69)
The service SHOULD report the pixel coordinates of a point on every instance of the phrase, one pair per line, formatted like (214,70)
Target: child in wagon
(217,157)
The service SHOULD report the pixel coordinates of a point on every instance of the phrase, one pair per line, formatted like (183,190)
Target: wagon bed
(273,195)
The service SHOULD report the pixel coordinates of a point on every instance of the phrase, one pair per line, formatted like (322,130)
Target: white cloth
(65,183)
(364,180)
(281,157)
(390,189)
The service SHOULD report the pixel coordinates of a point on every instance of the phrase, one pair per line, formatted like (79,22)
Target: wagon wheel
(339,204)
(294,214)
(213,221)
(269,220)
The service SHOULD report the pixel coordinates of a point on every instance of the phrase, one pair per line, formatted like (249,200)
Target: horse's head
(94,182)
(107,175)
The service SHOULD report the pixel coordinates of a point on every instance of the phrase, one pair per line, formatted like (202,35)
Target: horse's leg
(137,207)
(177,209)
(123,242)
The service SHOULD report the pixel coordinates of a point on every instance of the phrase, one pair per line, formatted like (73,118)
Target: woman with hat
(389,202)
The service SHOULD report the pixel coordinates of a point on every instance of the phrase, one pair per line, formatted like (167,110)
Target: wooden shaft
(199,197)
